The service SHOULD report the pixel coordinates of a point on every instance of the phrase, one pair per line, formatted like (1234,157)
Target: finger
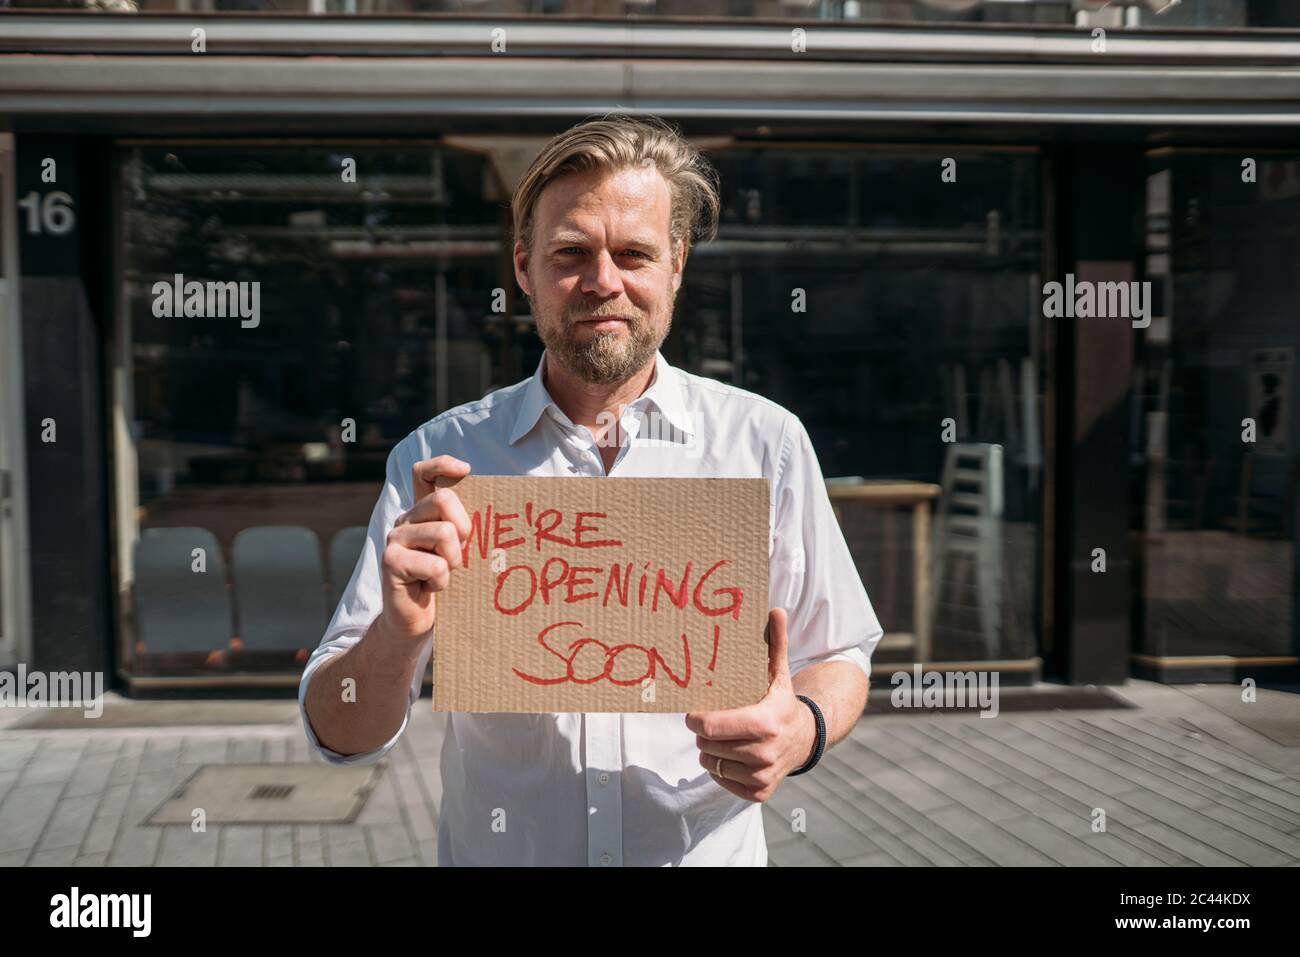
(411,566)
(441,504)
(778,646)
(430,473)
(453,510)
(736,774)
(734,724)
(753,754)
(437,537)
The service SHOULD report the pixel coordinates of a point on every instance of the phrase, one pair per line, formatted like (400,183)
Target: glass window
(1214,417)
(896,315)
(894,312)
(339,311)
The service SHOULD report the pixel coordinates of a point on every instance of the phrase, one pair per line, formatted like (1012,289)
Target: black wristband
(821,736)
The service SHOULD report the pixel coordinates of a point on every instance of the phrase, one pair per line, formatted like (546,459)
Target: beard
(606,357)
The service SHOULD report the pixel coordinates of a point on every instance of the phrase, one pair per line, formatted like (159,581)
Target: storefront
(194,484)
(1214,471)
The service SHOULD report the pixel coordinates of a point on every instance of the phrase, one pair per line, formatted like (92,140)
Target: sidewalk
(1191,775)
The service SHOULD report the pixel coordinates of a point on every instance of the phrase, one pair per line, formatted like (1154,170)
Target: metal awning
(353,69)
(624,38)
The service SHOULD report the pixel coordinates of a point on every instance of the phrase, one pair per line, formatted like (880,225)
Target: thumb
(437,472)
(778,645)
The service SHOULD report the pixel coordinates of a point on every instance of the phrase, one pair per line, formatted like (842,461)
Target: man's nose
(602,276)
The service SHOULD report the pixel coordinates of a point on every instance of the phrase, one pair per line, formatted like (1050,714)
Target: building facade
(1032,479)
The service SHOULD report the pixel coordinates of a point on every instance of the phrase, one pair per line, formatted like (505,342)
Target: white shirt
(615,789)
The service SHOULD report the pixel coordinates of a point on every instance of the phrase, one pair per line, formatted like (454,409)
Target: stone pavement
(1190,776)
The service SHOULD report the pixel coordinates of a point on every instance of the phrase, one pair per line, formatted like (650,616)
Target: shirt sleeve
(361,602)
(812,573)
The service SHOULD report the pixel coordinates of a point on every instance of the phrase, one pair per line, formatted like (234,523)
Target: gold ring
(717,769)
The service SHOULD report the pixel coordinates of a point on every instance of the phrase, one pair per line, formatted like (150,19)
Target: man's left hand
(761,743)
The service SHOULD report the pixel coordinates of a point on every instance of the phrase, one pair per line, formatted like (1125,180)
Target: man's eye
(635,252)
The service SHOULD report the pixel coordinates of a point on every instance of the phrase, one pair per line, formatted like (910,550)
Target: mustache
(583,316)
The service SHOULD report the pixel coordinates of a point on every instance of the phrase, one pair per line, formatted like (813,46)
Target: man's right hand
(423,547)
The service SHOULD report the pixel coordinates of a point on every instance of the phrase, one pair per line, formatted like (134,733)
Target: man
(604,219)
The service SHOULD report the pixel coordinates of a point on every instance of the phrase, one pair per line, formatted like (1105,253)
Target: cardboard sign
(606,594)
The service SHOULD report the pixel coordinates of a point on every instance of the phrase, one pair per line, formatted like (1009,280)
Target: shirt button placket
(629,425)
(587,453)
(604,793)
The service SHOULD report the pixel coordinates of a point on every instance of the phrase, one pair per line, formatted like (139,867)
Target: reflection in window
(875,301)
(893,312)
(260,439)
(1215,428)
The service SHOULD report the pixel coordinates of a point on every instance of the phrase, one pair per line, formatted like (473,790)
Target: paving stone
(1180,786)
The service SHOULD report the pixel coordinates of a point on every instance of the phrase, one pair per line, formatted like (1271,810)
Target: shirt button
(606,859)
(603,778)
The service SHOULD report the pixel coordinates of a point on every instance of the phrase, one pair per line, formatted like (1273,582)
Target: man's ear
(520,259)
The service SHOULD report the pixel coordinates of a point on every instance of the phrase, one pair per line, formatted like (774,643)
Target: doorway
(15,610)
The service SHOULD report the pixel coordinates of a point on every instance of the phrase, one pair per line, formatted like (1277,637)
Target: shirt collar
(665,392)
(536,401)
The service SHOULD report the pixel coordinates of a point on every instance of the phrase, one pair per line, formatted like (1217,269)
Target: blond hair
(616,142)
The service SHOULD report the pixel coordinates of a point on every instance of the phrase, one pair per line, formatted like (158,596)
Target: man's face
(602,274)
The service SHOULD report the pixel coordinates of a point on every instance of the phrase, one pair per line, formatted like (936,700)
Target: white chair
(279,588)
(178,609)
(967,536)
